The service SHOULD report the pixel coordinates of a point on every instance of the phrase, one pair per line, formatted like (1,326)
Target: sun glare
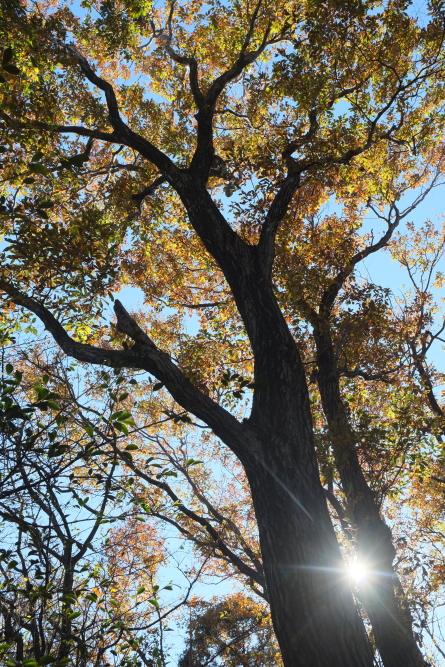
(357,572)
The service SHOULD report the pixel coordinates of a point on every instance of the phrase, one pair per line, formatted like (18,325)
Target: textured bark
(313,612)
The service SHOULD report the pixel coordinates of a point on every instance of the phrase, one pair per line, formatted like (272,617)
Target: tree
(67,597)
(282,107)
(232,631)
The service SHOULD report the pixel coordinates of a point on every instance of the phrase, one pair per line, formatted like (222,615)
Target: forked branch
(144,355)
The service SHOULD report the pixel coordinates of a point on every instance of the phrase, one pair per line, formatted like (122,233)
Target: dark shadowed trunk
(382,593)
(313,611)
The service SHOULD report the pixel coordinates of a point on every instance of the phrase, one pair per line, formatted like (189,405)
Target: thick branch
(144,356)
(149,190)
(275,215)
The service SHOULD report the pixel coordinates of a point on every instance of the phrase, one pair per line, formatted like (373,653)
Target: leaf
(11,69)
(131,447)
(7,55)
(120,427)
(9,368)
(192,462)
(155,603)
(38,169)
(37,156)
(28,180)
(74,615)
(158,386)
(78,160)
(45,660)
(140,590)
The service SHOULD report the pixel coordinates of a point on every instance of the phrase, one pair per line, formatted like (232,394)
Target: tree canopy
(270,409)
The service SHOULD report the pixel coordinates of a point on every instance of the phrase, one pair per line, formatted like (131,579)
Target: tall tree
(283,107)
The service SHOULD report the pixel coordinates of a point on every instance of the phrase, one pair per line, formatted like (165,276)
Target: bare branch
(202,521)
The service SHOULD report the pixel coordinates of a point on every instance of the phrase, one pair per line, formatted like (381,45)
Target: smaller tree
(236,631)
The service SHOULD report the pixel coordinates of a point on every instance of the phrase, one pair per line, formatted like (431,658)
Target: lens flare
(357,572)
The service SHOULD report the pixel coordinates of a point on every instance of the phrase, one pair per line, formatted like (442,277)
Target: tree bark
(313,612)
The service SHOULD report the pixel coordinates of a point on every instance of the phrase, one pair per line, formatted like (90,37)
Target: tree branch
(202,521)
(144,356)
(124,134)
(62,129)
(330,294)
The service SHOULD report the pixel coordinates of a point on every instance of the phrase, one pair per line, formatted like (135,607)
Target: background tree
(284,108)
(233,631)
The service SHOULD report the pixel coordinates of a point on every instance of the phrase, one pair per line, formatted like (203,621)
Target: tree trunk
(389,615)
(313,611)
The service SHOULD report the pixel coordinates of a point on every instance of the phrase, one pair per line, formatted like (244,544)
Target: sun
(357,572)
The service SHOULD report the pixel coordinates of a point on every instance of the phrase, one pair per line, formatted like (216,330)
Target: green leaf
(74,615)
(38,169)
(192,462)
(4,647)
(29,180)
(46,660)
(53,405)
(7,55)
(123,396)
(131,447)
(9,368)
(158,386)
(140,590)
(65,164)
(89,430)
(120,427)
(37,156)
(155,603)
(78,160)
(12,69)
